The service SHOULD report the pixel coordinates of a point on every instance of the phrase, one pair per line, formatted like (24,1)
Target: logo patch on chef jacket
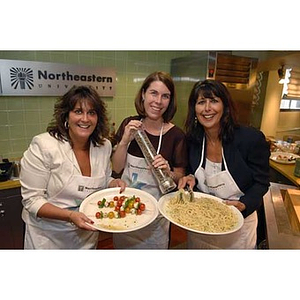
(80,188)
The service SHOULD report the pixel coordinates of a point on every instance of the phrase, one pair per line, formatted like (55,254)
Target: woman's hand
(129,131)
(161,163)
(118,183)
(80,220)
(238,204)
(120,152)
(187,180)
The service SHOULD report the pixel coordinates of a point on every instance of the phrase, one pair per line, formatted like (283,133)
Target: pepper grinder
(166,183)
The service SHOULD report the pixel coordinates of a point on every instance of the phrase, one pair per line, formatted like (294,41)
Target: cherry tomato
(142,206)
(111,215)
(98,215)
(117,208)
(122,214)
(116,198)
(137,199)
(122,198)
(138,212)
(111,204)
(99,202)
(119,203)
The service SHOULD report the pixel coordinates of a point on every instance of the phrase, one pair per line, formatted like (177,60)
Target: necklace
(213,150)
(210,140)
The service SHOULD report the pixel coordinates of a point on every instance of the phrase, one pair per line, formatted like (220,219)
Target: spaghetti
(203,214)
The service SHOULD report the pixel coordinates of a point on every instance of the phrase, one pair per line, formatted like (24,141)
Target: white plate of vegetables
(114,212)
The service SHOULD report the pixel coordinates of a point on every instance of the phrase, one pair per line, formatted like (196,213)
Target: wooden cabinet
(11,223)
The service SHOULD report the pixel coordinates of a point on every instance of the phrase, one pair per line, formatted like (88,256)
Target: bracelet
(70,217)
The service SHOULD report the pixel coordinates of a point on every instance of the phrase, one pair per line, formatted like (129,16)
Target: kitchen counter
(11,223)
(279,231)
(286,170)
(9,184)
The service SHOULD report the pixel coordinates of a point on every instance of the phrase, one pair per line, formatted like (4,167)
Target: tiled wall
(23,117)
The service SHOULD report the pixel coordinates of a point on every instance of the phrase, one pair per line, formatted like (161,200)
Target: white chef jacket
(47,167)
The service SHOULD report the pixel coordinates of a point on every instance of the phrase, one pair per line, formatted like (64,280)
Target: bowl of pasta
(207,214)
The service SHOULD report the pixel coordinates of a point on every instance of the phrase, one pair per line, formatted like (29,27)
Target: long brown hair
(58,129)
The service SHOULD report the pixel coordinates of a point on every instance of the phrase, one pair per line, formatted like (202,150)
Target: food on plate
(203,214)
(120,220)
(121,207)
(282,157)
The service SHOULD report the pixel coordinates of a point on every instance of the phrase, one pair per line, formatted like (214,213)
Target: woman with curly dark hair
(227,160)
(61,167)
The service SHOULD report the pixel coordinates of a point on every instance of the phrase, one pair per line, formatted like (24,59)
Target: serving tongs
(185,195)
(191,193)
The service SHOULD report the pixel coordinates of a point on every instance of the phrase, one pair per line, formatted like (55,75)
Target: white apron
(222,185)
(138,175)
(43,233)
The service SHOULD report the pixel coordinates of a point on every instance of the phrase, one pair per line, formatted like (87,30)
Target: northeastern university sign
(31,78)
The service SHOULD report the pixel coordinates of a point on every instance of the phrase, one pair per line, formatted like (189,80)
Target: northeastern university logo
(21,78)
(34,78)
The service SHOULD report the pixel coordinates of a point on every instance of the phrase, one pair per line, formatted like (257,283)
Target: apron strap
(160,137)
(202,162)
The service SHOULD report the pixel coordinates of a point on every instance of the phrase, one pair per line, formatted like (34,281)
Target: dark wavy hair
(58,129)
(168,81)
(210,89)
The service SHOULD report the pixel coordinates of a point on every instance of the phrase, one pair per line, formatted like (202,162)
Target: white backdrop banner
(32,78)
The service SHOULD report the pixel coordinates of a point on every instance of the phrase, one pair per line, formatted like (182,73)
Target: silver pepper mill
(166,183)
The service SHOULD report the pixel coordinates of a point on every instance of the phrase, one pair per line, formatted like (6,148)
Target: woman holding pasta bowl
(205,214)
(227,160)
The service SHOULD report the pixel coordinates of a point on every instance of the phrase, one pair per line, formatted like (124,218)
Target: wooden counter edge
(285,170)
(9,184)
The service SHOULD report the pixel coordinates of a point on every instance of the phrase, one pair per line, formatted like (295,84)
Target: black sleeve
(194,153)
(179,154)
(258,162)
